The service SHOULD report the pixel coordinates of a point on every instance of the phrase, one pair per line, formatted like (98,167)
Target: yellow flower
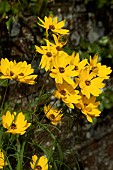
(28,79)
(62,70)
(39,163)
(58,44)
(20,71)
(88,84)
(100,70)
(89,107)
(52,24)
(6,68)
(25,75)
(75,61)
(48,54)
(53,114)
(2,160)
(15,124)
(103,71)
(67,94)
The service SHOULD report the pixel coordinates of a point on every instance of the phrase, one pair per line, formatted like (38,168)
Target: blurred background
(86,146)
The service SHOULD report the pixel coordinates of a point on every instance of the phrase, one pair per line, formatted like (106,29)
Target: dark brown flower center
(93,68)
(58,48)
(85,104)
(75,68)
(51,27)
(61,70)
(63,92)
(88,83)
(52,117)
(21,74)
(49,54)
(11,73)
(13,126)
(38,167)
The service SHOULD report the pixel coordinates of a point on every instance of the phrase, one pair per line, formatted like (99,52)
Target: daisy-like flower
(48,54)
(53,114)
(89,107)
(2,160)
(75,61)
(88,84)
(100,70)
(58,44)
(20,71)
(40,163)
(62,70)
(51,23)
(15,123)
(25,73)
(67,94)
(6,68)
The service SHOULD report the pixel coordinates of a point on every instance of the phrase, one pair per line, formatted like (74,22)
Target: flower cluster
(16,123)
(20,71)
(78,83)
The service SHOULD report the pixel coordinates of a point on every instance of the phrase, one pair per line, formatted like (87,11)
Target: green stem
(20,151)
(4,96)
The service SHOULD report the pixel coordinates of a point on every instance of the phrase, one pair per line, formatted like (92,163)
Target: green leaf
(4,82)
(21,154)
(4,7)
(104,40)
(55,166)
(9,23)
(60,154)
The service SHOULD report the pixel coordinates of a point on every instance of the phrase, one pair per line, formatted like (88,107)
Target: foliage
(13,10)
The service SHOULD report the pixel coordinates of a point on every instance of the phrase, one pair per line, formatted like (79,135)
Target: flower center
(51,27)
(75,68)
(11,73)
(85,104)
(52,117)
(93,68)
(88,83)
(49,54)
(21,74)
(13,126)
(63,92)
(61,70)
(58,48)
(38,167)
